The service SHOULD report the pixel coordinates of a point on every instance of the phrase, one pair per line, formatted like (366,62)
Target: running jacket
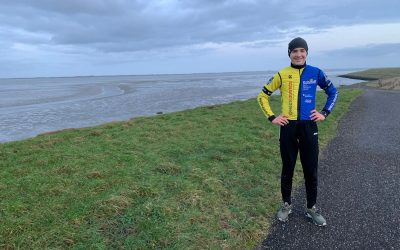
(298,92)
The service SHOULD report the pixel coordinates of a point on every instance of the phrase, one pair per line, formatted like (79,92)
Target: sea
(32,106)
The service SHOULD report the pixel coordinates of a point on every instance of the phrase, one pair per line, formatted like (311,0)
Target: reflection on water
(32,106)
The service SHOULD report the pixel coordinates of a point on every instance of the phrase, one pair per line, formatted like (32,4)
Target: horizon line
(193,73)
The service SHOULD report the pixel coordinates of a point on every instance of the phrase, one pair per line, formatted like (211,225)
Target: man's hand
(281,120)
(316,116)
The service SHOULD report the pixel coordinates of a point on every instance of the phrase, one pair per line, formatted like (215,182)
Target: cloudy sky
(107,37)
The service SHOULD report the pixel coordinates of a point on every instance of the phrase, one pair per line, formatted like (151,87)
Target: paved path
(359,183)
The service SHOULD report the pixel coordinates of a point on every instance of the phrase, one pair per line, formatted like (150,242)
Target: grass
(196,179)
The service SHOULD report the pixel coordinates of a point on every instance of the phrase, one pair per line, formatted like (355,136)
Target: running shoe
(314,214)
(284,211)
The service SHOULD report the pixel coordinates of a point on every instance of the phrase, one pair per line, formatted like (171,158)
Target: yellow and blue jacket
(298,92)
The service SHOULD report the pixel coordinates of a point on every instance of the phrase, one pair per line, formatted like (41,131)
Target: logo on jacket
(311,81)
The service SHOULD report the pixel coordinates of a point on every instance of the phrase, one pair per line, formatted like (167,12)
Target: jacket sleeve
(330,90)
(263,98)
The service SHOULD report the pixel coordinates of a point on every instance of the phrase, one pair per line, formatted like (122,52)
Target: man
(298,123)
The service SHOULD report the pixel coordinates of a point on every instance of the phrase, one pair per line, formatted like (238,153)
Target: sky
(128,37)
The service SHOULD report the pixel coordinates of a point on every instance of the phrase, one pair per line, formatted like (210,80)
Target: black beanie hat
(298,42)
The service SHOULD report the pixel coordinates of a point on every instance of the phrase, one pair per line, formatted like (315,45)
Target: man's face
(298,56)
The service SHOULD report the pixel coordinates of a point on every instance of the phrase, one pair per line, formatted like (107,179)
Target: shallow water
(32,106)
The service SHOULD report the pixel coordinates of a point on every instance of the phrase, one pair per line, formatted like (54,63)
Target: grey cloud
(74,7)
(371,50)
(122,25)
(373,55)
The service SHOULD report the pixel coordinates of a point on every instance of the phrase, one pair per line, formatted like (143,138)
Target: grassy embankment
(384,78)
(197,179)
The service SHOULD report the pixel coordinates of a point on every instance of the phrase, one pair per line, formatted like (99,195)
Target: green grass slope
(196,179)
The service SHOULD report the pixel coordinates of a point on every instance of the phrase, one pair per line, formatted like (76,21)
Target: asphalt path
(359,183)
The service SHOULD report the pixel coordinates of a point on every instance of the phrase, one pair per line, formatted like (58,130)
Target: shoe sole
(290,211)
(310,217)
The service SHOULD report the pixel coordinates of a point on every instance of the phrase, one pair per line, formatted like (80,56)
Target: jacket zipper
(299,97)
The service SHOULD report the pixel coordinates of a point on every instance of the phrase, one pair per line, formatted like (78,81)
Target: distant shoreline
(269,71)
(382,78)
(358,77)
(373,74)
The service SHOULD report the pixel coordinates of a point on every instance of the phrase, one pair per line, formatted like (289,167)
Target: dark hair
(298,42)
